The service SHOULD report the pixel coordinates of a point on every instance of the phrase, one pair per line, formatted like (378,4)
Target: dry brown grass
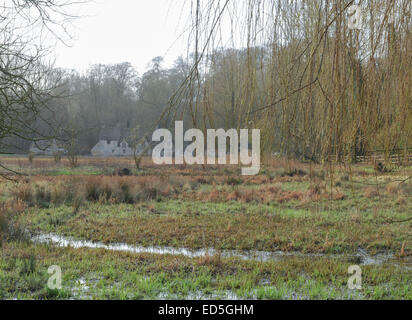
(134,189)
(401,200)
(356,217)
(406,189)
(222,183)
(49,162)
(264,194)
(393,188)
(23,192)
(257,180)
(9,229)
(338,196)
(58,190)
(371,192)
(42,191)
(210,260)
(287,164)
(126,189)
(402,253)
(291,195)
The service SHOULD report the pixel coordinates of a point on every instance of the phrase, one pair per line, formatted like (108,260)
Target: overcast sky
(114,31)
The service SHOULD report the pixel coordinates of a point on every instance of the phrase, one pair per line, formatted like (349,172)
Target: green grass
(180,219)
(223,226)
(115,275)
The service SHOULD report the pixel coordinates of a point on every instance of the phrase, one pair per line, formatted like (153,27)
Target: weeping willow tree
(316,88)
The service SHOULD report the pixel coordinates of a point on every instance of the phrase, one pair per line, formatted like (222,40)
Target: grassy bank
(100,274)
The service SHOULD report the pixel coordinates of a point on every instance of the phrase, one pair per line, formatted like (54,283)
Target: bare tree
(28,82)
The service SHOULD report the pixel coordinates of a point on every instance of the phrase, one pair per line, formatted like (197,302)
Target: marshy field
(193,232)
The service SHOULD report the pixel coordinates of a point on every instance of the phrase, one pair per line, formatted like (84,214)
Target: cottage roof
(120,134)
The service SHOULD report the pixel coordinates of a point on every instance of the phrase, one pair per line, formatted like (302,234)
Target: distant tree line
(105,96)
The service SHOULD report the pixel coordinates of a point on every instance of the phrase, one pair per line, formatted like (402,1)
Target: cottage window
(124,150)
(108,141)
(124,144)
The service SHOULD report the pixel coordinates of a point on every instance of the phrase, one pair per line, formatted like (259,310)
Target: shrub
(315,189)
(24,193)
(73,159)
(249,195)
(59,194)
(124,195)
(401,201)
(294,172)
(379,167)
(93,189)
(201,180)
(338,196)
(9,229)
(193,184)
(291,195)
(233,181)
(371,192)
(28,265)
(392,188)
(137,162)
(210,260)
(177,183)
(57,157)
(71,191)
(344,178)
(77,203)
(31,157)
(42,195)
(151,191)
(213,196)
(406,189)
(4,225)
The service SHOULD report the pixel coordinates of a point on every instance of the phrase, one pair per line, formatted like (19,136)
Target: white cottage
(115,142)
(46,147)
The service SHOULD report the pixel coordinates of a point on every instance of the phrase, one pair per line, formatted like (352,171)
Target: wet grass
(224,226)
(299,210)
(100,274)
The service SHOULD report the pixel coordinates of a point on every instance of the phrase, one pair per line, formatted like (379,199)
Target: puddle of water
(198,295)
(81,289)
(362,258)
(379,258)
(71,242)
(254,294)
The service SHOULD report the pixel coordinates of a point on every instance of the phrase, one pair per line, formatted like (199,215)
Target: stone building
(115,142)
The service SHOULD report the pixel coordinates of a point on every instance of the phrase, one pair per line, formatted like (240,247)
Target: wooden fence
(396,157)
